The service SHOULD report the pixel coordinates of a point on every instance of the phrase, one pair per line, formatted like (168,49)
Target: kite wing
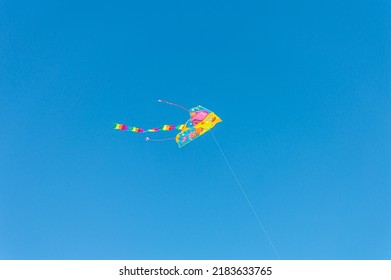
(202,120)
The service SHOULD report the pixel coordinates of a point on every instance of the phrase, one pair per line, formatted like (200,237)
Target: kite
(201,120)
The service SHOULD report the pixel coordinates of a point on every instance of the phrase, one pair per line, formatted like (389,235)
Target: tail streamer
(246,197)
(165,127)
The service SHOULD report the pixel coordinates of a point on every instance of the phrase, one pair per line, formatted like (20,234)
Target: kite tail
(165,127)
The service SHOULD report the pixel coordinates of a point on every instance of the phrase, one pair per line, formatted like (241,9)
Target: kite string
(245,195)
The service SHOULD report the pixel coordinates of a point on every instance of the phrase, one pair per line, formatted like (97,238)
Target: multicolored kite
(201,120)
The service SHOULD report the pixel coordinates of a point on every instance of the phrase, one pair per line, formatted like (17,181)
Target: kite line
(245,195)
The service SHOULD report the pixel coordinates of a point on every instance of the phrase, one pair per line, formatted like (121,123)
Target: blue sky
(303,89)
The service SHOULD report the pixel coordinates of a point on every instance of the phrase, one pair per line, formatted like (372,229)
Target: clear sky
(303,90)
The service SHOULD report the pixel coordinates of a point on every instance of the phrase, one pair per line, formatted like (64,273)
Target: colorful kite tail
(165,127)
